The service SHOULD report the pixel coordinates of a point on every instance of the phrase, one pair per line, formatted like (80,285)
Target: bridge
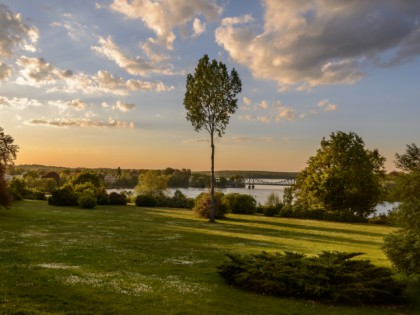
(251,182)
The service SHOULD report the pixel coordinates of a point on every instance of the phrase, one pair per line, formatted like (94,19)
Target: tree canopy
(151,182)
(343,176)
(8,152)
(410,160)
(210,100)
(403,246)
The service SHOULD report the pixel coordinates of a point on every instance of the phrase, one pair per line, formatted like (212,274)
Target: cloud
(264,119)
(285,113)
(76,104)
(6,71)
(198,27)
(18,103)
(308,43)
(15,33)
(37,72)
(326,106)
(163,16)
(247,101)
(134,66)
(81,122)
(124,107)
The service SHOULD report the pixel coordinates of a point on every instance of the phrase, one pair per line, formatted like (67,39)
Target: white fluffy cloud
(134,66)
(81,122)
(326,105)
(123,106)
(15,33)
(37,72)
(265,112)
(19,103)
(163,16)
(198,27)
(76,104)
(308,43)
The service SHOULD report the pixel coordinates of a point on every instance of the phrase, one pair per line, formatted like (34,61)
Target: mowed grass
(129,260)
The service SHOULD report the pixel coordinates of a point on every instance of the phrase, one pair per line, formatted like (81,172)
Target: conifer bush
(331,276)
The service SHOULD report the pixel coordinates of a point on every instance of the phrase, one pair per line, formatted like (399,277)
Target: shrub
(87,199)
(65,196)
(272,206)
(240,203)
(179,200)
(102,197)
(17,189)
(331,276)
(145,200)
(270,211)
(117,199)
(202,205)
(35,194)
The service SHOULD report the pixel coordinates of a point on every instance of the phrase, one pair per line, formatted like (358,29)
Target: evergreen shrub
(331,276)
(87,199)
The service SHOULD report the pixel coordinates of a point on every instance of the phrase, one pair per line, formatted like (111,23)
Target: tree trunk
(213,181)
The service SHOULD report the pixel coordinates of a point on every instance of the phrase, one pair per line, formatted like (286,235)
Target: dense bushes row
(86,196)
(178,200)
(19,191)
(331,276)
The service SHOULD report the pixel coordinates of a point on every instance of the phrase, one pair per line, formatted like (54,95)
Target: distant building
(110,179)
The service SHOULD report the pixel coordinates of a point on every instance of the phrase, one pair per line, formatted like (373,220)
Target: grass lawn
(128,260)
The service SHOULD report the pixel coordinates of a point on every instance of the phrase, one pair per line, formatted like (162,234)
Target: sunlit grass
(128,260)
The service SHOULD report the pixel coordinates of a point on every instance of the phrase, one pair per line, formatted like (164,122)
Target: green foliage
(179,200)
(151,182)
(87,199)
(64,196)
(177,178)
(240,203)
(272,206)
(117,199)
(202,205)
(403,246)
(410,160)
(343,176)
(146,200)
(331,276)
(102,197)
(210,96)
(8,152)
(18,189)
(210,100)
(87,177)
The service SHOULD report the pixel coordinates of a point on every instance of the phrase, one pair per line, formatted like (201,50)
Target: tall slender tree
(8,152)
(210,99)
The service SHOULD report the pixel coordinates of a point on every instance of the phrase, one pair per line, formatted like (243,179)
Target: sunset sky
(101,84)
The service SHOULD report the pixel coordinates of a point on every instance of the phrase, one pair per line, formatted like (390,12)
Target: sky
(101,84)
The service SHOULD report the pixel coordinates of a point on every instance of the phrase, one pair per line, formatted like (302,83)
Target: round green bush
(240,203)
(202,205)
(87,200)
(65,196)
(117,199)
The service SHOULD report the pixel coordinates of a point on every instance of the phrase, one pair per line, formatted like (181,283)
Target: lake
(260,193)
